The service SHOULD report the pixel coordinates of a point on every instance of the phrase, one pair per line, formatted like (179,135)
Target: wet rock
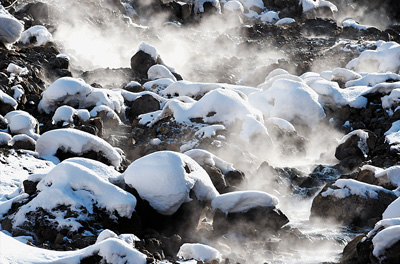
(351,207)
(257,218)
(30,186)
(142,105)
(142,61)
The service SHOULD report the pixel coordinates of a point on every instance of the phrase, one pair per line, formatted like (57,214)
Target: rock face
(351,207)
(256,219)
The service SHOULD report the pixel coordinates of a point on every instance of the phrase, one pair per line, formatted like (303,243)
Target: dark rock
(142,61)
(142,105)
(3,122)
(234,178)
(23,143)
(39,11)
(352,209)
(320,26)
(30,187)
(216,177)
(182,10)
(257,218)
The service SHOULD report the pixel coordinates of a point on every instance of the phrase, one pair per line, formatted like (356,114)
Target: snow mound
(373,79)
(391,174)
(6,99)
(203,157)
(393,210)
(76,187)
(386,58)
(149,49)
(157,85)
(285,21)
(199,252)
(349,187)
(4,138)
(160,71)
(64,113)
(393,135)
(109,113)
(77,142)
(10,27)
(66,90)
(218,106)
(21,122)
(41,34)
(165,178)
(17,70)
(344,75)
(385,239)
(234,6)
(209,131)
(270,17)
(313,4)
(103,171)
(281,123)
(248,4)
(18,92)
(112,250)
(291,100)
(242,201)
(352,23)
(186,88)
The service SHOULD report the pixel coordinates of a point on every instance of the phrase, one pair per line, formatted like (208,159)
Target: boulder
(351,202)
(142,105)
(256,219)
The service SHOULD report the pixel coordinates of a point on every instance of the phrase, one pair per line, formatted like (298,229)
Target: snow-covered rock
(285,21)
(75,141)
(269,17)
(386,58)
(203,157)
(64,113)
(165,178)
(242,201)
(21,122)
(5,99)
(352,202)
(160,71)
(10,27)
(40,33)
(80,189)
(199,252)
(111,250)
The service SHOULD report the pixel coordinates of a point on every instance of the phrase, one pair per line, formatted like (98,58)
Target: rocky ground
(315,42)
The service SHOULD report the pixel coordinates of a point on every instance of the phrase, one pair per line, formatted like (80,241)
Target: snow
(21,122)
(248,4)
(18,92)
(270,17)
(41,34)
(64,113)
(393,210)
(362,142)
(217,106)
(385,239)
(17,138)
(6,99)
(6,205)
(393,134)
(17,70)
(333,96)
(157,85)
(66,90)
(4,138)
(242,201)
(285,21)
(103,108)
(113,250)
(291,100)
(199,252)
(389,100)
(77,142)
(313,4)
(149,49)
(281,123)
(386,58)
(83,114)
(352,23)
(186,88)
(77,187)
(234,6)
(130,97)
(344,75)
(160,71)
(165,178)
(349,187)
(10,27)
(209,131)
(204,157)
(102,170)
(391,174)
(372,79)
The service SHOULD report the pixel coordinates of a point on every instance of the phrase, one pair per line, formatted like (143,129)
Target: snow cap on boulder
(10,27)
(75,141)
(165,178)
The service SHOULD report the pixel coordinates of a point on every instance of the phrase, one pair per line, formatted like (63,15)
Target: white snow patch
(4,138)
(242,201)
(149,49)
(199,252)
(160,71)
(344,75)
(17,70)
(165,179)
(373,79)
(204,157)
(385,239)
(285,21)
(18,92)
(6,99)
(234,6)
(75,141)
(393,210)
(209,131)
(352,23)
(349,187)
(41,34)
(21,122)
(10,27)
(386,58)
(362,142)
(269,17)
(64,113)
